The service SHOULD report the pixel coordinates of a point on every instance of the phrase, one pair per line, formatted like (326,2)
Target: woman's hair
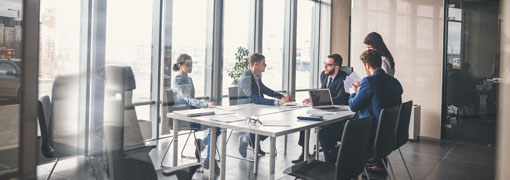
(181,59)
(376,41)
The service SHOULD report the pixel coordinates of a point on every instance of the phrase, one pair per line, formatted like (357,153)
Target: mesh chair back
(232,95)
(346,69)
(172,106)
(385,135)
(354,149)
(402,131)
(44,116)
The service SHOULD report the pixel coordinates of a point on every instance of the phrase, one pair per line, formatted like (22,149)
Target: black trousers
(329,135)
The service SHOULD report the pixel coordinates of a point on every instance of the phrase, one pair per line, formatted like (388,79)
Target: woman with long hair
(374,41)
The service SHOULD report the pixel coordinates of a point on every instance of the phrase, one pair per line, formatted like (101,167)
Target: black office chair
(169,106)
(384,142)
(402,131)
(346,69)
(352,155)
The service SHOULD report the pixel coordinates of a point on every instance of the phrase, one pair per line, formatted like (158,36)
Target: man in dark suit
(333,79)
(376,91)
(252,90)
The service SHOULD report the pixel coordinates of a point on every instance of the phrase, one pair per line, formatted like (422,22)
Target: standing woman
(374,41)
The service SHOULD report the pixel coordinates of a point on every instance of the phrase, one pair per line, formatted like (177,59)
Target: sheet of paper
(228,118)
(351,79)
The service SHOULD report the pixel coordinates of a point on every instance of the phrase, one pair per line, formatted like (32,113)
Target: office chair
(384,142)
(402,129)
(352,155)
(169,106)
(346,69)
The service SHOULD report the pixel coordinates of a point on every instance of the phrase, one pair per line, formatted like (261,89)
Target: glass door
(471,77)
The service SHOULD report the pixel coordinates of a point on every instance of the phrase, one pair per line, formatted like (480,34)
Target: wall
(340,12)
(503,151)
(413,31)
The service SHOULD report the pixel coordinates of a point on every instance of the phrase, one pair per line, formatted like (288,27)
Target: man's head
(371,61)
(332,65)
(257,63)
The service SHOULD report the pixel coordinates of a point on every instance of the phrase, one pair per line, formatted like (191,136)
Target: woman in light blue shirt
(184,93)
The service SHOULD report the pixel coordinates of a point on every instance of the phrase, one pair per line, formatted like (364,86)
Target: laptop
(321,99)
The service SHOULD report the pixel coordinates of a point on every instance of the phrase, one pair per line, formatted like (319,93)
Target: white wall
(413,31)
(503,145)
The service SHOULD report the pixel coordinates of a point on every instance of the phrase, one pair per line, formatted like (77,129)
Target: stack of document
(318,112)
(228,118)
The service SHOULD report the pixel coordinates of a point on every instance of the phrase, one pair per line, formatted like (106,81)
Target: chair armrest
(182,172)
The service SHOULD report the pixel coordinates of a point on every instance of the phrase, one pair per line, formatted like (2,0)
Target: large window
(236,35)
(272,43)
(189,33)
(304,47)
(129,43)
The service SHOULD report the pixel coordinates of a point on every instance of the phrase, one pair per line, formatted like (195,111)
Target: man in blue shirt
(252,90)
(376,91)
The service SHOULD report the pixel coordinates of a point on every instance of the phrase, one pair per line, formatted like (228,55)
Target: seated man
(333,79)
(376,91)
(252,90)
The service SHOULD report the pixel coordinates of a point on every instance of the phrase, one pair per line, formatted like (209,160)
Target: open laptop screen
(320,97)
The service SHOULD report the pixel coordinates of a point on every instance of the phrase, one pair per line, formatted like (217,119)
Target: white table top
(269,115)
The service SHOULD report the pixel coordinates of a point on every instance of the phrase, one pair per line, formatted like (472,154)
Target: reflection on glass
(272,43)
(10,81)
(304,43)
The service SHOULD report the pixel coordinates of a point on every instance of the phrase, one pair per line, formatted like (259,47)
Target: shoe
(243,144)
(199,149)
(376,170)
(301,158)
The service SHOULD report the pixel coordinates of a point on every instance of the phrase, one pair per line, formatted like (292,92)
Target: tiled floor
(426,159)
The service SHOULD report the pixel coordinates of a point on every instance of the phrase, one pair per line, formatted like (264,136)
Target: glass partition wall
(110,71)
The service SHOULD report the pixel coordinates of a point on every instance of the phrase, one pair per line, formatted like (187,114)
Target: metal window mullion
(85,75)
(289,47)
(96,50)
(156,66)
(27,156)
(255,29)
(214,53)
(316,36)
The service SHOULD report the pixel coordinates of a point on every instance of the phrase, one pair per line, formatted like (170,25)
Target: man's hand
(356,84)
(210,104)
(288,97)
(307,101)
(352,90)
(283,100)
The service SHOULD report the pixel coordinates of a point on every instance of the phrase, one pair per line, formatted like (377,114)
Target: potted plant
(240,66)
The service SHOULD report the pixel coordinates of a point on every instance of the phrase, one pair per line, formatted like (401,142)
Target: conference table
(274,121)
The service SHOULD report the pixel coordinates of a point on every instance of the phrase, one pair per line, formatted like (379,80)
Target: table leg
(176,142)
(256,154)
(317,148)
(223,153)
(272,156)
(212,153)
(307,144)
(285,146)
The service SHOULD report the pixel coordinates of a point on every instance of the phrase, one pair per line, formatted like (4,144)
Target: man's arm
(362,98)
(265,90)
(248,91)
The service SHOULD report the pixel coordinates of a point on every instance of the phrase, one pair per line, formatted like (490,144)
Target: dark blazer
(340,97)
(248,91)
(375,93)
